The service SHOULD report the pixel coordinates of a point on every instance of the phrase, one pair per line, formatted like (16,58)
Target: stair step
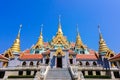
(58,74)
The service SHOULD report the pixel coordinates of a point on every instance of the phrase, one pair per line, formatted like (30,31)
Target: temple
(60,59)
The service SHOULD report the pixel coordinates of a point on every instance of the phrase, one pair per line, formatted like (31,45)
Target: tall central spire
(16,45)
(59,27)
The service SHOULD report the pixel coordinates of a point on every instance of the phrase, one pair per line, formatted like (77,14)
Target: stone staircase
(58,74)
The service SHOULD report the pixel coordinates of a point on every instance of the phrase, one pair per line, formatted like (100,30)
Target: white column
(86,72)
(112,75)
(94,72)
(24,72)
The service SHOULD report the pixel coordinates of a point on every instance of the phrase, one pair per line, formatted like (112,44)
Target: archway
(80,63)
(94,64)
(38,63)
(59,60)
(87,64)
(31,63)
(24,63)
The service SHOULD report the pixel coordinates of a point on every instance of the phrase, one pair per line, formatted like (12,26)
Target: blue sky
(86,13)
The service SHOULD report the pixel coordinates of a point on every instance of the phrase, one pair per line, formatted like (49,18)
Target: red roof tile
(30,56)
(91,56)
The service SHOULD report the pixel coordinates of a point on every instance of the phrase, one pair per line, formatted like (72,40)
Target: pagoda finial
(100,32)
(41,29)
(16,45)
(78,34)
(59,19)
(59,26)
(79,43)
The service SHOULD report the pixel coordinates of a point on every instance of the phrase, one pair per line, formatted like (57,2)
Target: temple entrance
(59,61)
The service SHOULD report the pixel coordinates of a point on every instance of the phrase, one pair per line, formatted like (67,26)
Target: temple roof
(103,48)
(115,58)
(27,56)
(102,44)
(4,59)
(40,42)
(60,39)
(91,56)
(31,57)
(79,43)
(16,45)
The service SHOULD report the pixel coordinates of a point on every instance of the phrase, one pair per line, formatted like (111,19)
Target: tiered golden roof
(40,42)
(60,38)
(16,45)
(15,48)
(103,46)
(79,43)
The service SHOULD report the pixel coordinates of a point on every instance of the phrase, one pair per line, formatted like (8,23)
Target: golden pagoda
(103,48)
(16,45)
(15,48)
(60,39)
(79,43)
(40,42)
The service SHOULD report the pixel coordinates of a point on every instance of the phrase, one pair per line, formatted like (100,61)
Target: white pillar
(86,72)
(94,72)
(112,75)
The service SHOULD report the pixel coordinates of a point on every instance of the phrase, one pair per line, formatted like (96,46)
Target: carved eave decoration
(59,52)
(9,54)
(109,54)
(60,40)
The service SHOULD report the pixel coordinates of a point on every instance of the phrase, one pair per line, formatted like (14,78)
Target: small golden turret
(103,48)
(102,45)
(16,45)
(79,43)
(39,43)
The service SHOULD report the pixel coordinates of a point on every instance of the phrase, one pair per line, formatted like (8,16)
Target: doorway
(59,61)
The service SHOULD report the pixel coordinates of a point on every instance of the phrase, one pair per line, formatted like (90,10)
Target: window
(20,72)
(24,63)
(82,52)
(28,72)
(94,64)
(116,74)
(38,63)
(97,72)
(31,63)
(80,63)
(90,73)
(36,52)
(87,64)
